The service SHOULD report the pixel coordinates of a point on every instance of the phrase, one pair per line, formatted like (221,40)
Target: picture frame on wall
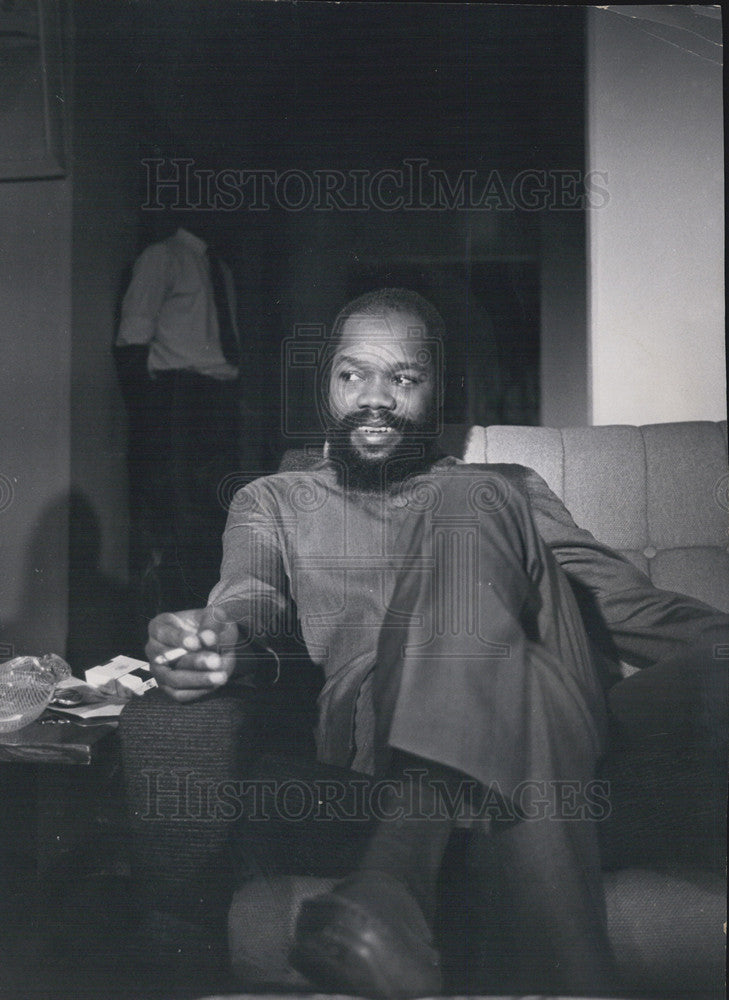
(32,90)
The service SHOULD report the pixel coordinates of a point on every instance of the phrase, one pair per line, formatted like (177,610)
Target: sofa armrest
(180,762)
(176,759)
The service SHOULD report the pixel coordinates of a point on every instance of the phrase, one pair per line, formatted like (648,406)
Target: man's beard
(412,454)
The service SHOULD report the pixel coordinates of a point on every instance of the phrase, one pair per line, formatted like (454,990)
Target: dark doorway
(491,311)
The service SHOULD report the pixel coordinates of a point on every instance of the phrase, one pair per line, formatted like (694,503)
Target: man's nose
(376,394)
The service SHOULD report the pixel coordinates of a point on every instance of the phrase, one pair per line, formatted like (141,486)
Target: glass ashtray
(27,684)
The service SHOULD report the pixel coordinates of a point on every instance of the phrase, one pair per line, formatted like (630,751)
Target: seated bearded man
(439,600)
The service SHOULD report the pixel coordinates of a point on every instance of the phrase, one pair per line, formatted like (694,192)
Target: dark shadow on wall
(42,601)
(102,619)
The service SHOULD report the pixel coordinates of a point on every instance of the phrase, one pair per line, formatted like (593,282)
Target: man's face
(382,390)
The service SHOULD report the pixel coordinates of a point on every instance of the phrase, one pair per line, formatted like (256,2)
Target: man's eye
(406,380)
(350,376)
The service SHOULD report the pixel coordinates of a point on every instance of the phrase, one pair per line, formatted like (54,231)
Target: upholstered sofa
(660,495)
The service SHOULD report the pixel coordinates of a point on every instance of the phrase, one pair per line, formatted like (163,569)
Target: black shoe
(367,937)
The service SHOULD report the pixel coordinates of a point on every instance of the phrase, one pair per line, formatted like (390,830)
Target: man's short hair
(384,300)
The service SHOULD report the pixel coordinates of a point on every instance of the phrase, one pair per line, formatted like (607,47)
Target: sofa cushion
(666,929)
(658,493)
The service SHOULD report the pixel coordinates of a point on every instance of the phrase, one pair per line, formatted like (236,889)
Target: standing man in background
(178,357)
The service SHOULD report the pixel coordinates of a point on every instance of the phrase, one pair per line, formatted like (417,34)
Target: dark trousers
(666,764)
(484,666)
(182,446)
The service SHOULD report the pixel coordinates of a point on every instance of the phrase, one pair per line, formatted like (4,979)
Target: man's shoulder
(171,248)
(177,248)
(488,482)
(282,484)
(155,251)
(518,475)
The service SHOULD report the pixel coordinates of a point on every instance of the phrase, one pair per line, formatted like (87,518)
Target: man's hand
(191,653)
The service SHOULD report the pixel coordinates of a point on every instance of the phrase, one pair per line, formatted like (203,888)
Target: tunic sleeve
(253,589)
(626,616)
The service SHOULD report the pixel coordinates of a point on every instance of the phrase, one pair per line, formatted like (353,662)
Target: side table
(54,774)
(63,857)
(53,739)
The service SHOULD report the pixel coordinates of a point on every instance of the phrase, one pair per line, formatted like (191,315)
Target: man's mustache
(371,419)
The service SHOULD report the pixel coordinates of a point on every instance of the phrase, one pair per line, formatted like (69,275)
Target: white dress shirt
(170,305)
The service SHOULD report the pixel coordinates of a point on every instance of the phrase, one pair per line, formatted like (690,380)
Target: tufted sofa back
(659,493)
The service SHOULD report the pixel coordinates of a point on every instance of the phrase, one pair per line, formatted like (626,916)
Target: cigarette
(171,655)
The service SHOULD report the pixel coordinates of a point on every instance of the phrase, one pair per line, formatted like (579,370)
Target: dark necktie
(228,339)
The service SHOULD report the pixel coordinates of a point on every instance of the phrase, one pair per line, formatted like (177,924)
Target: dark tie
(228,339)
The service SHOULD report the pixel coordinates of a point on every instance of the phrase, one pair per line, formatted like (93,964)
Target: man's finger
(197,678)
(172,630)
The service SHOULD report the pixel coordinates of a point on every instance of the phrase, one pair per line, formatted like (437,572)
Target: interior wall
(105,232)
(35,332)
(65,246)
(563,309)
(656,248)
(105,227)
